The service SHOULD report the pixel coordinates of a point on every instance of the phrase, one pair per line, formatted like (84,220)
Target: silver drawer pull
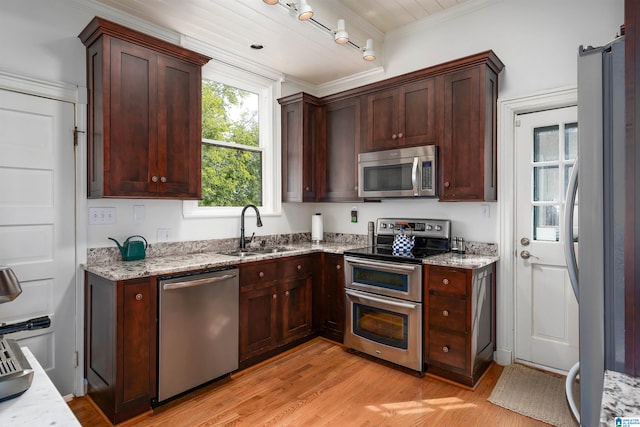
(445,281)
(445,349)
(261,274)
(445,313)
(299,267)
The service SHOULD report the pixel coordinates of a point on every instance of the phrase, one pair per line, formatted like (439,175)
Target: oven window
(382,326)
(381,279)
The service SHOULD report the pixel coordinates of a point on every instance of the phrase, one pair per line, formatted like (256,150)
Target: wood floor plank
(322,384)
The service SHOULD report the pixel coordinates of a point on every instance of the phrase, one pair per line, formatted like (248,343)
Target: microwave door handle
(414,177)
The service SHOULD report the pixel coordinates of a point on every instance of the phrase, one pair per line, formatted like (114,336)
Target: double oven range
(383,290)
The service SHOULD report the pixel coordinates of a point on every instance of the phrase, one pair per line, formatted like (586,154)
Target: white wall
(537,41)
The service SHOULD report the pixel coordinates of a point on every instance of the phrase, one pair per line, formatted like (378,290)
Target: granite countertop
(162,265)
(620,398)
(461,260)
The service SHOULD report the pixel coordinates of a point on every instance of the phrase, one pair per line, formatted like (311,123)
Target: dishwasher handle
(197,282)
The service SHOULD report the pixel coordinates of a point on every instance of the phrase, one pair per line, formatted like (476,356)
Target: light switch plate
(163,235)
(102,216)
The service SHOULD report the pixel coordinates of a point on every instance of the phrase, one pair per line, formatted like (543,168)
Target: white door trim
(505,293)
(77,95)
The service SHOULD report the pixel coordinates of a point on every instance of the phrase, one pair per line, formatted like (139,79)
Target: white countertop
(41,405)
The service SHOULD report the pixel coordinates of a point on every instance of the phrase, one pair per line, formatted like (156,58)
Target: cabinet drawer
(447,348)
(294,267)
(447,280)
(258,273)
(447,313)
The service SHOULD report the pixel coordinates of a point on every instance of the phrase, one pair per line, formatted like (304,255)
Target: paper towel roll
(316,228)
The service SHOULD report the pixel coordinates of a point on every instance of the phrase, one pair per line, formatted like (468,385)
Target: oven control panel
(440,228)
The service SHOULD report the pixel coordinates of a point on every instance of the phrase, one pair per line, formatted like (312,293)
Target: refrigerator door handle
(569,250)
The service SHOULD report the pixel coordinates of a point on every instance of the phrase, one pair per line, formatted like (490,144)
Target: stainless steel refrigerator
(598,237)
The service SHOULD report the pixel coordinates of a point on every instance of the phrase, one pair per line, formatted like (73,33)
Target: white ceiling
(301,50)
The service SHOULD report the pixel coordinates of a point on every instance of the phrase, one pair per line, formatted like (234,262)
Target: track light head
(369,54)
(304,10)
(340,34)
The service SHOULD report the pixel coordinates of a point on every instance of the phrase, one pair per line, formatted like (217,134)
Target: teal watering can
(132,250)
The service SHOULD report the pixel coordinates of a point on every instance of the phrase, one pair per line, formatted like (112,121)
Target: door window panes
(545,143)
(555,148)
(545,184)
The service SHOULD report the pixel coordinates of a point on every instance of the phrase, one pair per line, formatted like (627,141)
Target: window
(239,155)
(231,154)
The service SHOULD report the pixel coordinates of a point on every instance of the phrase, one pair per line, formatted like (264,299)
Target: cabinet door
(382,120)
(179,129)
(299,151)
(462,142)
(332,310)
(342,147)
(131,126)
(137,346)
(258,316)
(295,300)
(417,112)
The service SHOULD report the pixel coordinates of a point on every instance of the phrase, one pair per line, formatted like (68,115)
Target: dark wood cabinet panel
(144,115)
(459,331)
(400,117)
(342,145)
(332,309)
(468,150)
(121,345)
(301,154)
(275,305)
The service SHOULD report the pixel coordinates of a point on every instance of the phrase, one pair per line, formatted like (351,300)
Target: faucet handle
(250,239)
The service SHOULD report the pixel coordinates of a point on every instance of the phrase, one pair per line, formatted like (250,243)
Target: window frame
(269,133)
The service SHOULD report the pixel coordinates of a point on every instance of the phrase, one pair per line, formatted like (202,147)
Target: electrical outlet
(138,213)
(485,210)
(102,216)
(163,235)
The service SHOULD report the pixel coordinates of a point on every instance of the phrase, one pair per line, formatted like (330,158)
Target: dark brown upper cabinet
(145,115)
(301,137)
(450,105)
(399,117)
(468,144)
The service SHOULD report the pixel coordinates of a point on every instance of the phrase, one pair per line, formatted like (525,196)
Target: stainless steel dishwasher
(198,329)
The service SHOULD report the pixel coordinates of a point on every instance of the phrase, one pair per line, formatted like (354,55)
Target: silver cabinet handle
(445,349)
(445,313)
(163,179)
(445,281)
(154,178)
(138,297)
(261,274)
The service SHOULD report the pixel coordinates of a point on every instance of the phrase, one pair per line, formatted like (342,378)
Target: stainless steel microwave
(404,172)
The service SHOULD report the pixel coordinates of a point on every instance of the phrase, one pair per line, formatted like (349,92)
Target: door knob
(524,241)
(527,255)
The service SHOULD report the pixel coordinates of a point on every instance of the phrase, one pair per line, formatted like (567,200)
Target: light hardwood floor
(322,384)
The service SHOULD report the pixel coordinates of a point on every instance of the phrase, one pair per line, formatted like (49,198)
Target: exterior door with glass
(546,312)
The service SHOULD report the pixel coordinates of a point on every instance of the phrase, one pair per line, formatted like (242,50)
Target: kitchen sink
(257,251)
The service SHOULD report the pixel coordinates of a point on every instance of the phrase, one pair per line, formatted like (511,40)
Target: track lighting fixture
(341,36)
(369,54)
(304,10)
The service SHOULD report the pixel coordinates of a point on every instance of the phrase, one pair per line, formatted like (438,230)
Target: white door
(546,308)
(37,226)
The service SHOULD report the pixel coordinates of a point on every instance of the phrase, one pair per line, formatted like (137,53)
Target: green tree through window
(231,153)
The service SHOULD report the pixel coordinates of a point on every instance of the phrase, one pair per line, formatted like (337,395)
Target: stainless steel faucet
(244,241)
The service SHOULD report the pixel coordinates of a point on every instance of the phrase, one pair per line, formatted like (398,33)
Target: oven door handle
(380,300)
(381,264)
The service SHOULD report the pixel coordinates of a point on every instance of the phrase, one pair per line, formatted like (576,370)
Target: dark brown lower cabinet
(275,306)
(121,345)
(459,332)
(332,298)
